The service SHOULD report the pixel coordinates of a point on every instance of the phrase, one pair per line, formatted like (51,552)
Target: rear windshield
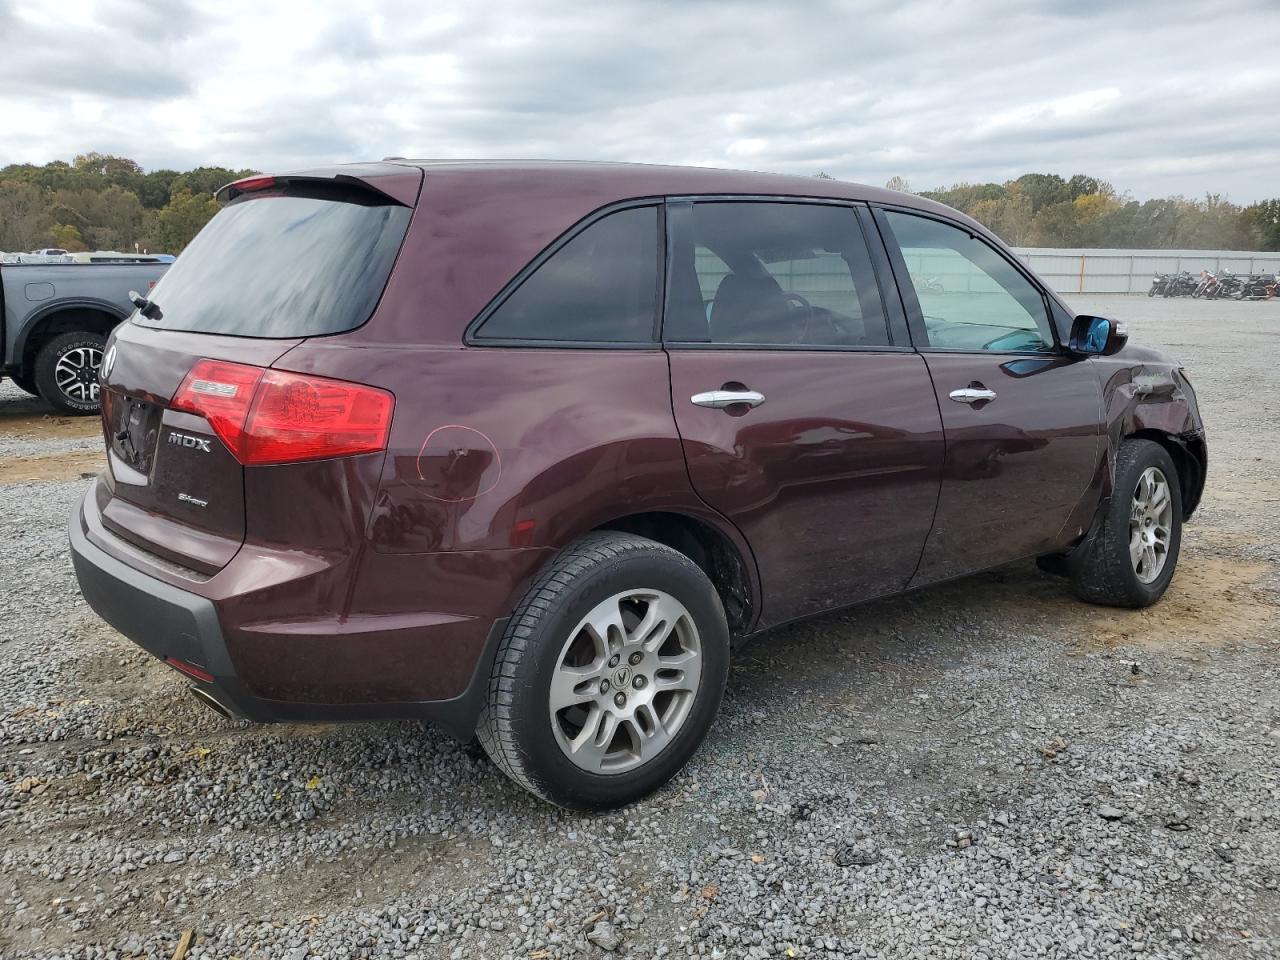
(299,262)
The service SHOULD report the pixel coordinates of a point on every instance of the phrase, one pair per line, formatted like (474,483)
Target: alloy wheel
(1150,523)
(76,373)
(625,681)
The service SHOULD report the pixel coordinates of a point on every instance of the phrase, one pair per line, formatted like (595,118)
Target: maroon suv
(526,448)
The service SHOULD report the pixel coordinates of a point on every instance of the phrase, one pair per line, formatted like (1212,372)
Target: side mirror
(1097,336)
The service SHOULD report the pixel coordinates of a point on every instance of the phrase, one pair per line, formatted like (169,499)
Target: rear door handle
(719,399)
(972,395)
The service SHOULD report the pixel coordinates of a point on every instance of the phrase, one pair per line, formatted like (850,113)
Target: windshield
(301,262)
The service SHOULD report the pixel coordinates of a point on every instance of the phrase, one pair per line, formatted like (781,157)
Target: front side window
(972,298)
(774,274)
(600,287)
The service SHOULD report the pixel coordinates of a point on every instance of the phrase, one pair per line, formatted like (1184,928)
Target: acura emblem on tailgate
(186,440)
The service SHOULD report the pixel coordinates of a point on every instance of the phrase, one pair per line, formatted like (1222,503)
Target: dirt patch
(1235,492)
(80,464)
(1212,600)
(35,425)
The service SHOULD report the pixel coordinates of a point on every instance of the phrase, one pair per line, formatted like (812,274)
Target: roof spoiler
(399,188)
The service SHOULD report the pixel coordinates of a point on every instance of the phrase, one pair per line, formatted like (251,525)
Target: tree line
(100,202)
(1046,210)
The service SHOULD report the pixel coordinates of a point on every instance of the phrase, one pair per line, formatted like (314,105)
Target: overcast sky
(1156,97)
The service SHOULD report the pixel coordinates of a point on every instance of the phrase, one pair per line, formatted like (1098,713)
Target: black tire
(45,371)
(515,725)
(25,384)
(1106,574)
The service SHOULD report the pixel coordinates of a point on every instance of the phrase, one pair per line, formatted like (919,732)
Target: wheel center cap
(622,676)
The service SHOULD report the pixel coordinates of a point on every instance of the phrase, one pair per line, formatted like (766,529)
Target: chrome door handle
(972,395)
(719,399)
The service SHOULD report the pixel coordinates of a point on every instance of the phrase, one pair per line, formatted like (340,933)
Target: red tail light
(269,416)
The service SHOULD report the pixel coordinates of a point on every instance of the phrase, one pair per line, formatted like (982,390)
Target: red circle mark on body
(465,448)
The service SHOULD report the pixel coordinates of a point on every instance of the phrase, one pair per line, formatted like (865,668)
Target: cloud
(936,92)
(125,51)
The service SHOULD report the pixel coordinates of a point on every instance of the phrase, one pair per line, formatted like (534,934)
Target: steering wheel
(802,303)
(840,334)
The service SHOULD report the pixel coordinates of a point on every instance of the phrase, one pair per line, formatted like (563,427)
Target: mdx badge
(186,440)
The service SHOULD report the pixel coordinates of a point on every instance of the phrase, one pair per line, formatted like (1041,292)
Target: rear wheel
(66,371)
(1132,559)
(610,673)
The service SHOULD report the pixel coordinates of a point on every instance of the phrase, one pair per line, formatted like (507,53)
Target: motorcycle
(1180,285)
(1260,286)
(1208,283)
(1171,284)
(1229,285)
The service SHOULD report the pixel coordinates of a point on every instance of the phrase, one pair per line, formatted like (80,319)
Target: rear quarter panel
(499,456)
(497,447)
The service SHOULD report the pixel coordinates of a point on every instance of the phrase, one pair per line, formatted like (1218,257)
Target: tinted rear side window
(300,263)
(600,287)
(774,274)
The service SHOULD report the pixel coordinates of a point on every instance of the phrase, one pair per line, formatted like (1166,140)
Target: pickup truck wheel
(66,371)
(610,673)
(1131,560)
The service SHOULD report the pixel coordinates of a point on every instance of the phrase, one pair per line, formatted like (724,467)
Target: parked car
(113,256)
(463,442)
(54,319)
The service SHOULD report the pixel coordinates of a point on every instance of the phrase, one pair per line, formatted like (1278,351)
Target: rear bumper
(169,622)
(163,620)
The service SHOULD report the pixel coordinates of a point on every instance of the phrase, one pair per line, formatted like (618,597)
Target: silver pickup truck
(54,319)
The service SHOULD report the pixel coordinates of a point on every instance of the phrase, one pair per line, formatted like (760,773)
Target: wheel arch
(725,560)
(66,316)
(1190,459)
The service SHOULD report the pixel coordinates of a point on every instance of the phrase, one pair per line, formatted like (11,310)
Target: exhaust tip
(211,702)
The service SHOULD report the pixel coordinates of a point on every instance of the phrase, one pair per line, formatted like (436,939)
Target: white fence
(1130,271)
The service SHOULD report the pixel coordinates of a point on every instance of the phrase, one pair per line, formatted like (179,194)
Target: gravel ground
(988,769)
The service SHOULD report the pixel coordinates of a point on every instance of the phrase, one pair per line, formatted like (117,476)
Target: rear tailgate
(286,259)
(176,490)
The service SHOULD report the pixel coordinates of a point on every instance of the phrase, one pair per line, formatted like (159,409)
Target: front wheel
(1131,560)
(610,673)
